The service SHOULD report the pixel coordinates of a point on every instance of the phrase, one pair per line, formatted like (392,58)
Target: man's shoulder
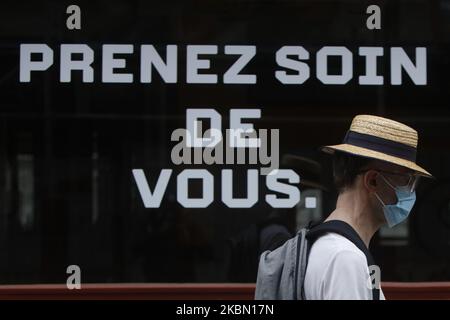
(333,246)
(337,269)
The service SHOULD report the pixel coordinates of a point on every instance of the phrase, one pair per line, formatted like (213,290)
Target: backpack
(281,272)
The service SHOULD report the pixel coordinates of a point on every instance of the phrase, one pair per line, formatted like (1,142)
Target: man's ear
(370,180)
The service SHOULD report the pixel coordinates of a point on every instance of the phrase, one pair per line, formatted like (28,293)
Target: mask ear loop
(389,184)
(387,181)
(379,199)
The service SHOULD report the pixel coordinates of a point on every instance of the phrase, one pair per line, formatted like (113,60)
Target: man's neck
(350,209)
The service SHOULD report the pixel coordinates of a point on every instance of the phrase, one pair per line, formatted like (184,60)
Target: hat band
(386,146)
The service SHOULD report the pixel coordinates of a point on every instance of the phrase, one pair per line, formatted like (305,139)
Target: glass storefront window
(69,144)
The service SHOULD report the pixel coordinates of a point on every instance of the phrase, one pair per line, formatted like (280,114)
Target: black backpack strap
(344,229)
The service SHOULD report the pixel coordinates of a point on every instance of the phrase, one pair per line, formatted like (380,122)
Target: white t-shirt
(337,270)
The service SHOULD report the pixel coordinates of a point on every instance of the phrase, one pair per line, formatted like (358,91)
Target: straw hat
(383,139)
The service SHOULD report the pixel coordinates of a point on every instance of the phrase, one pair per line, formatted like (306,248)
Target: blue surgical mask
(396,213)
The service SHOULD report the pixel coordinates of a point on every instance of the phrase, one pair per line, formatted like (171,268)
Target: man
(376,176)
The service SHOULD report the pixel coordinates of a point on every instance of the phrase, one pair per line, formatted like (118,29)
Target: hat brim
(363,152)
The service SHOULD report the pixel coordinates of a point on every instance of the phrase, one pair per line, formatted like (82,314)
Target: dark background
(76,143)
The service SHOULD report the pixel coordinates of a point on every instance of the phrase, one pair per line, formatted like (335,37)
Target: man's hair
(345,169)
